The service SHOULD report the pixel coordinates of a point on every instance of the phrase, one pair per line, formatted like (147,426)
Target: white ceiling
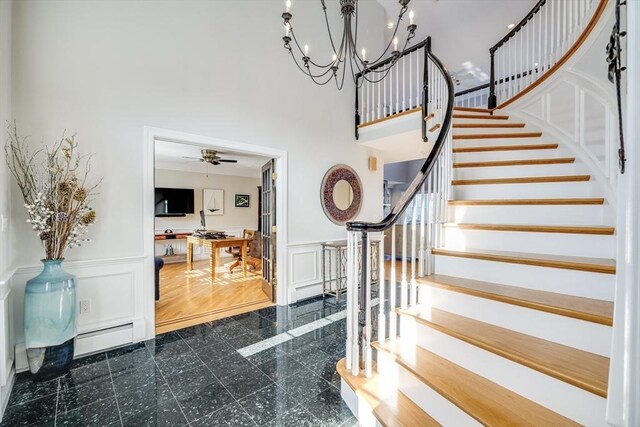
(170,155)
(462,31)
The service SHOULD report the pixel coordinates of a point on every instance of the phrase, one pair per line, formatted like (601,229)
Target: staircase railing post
(362,309)
(357,111)
(425,89)
(493,100)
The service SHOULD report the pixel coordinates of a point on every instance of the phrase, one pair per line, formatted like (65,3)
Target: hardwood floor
(188,297)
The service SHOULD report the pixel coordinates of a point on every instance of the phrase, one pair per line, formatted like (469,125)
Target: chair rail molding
(151,134)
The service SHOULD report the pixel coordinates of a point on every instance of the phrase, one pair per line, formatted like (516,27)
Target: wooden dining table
(214,245)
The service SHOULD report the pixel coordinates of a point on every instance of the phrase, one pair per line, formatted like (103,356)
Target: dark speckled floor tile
(167,414)
(268,403)
(228,365)
(144,399)
(217,351)
(329,408)
(38,412)
(265,355)
(281,367)
(165,338)
(88,360)
(231,415)
(245,382)
(304,385)
(166,351)
(136,378)
(100,413)
(298,417)
(178,364)
(188,382)
(131,357)
(76,397)
(25,389)
(244,340)
(87,375)
(309,355)
(204,400)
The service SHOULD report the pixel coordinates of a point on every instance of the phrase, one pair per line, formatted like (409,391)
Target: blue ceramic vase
(50,321)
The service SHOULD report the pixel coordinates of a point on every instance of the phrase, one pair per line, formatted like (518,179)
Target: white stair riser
(518,171)
(480,118)
(542,190)
(437,406)
(489,156)
(528,214)
(586,245)
(570,282)
(581,334)
(358,406)
(572,402)
(486,142)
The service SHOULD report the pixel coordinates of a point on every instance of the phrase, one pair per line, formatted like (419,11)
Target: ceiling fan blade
(227,161)
(193,158)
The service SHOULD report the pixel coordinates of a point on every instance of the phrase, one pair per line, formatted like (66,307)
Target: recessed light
(390,25)
(510,26)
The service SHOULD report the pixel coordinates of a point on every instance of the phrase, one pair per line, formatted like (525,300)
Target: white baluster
(414,283)
(403,281)
(355,352)
(404,84)
(379,86)
(421,266)
(393,329)
(367,306)
(397,66)
(350,296)
(418,78)
(384,106)
(410,79)
(381,292)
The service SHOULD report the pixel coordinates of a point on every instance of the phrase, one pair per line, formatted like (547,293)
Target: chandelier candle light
(346,55)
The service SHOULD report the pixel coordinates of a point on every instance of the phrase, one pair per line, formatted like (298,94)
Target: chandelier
(346,55)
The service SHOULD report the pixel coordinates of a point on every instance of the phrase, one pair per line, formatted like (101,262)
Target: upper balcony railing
(545,38)
(398,88)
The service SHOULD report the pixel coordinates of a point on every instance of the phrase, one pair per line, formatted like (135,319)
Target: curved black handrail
(426,169)
(521,24)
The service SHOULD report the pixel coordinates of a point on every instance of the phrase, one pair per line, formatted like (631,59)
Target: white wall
(6,252)
(107,69)
(232,185)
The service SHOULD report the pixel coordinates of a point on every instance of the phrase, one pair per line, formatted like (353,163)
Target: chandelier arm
(395,32)
(344,73)
(306,70)
(293,35)
(375,69)
(326,19)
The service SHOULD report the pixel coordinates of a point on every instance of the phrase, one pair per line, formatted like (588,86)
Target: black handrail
(492,101)
(517,28)
(473,89)
(426,169)
(390,59)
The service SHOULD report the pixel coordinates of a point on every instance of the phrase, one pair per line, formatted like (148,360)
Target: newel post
(425,89)
(493,100)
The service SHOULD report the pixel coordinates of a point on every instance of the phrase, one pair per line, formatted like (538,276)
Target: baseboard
(5,392)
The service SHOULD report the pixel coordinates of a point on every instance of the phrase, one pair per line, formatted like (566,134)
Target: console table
(214,245)
(334,266)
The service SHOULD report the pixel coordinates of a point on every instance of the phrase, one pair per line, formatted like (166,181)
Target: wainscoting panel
(305,271)
(6,342)
(114,289)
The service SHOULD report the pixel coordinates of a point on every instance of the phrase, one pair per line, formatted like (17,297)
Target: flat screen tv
(174,201)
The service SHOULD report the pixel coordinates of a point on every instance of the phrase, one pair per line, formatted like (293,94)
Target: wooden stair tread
(522,162)
(520,147)
(497,135)
(518,202)
(389,117)
(485,401)
(595,265)
(392,408)
(591,310)
(567,229)
(473,109)
(487,125)
(522,180)
(476,116)
(582,369)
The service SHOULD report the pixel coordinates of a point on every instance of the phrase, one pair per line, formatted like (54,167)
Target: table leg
(213,262)
(244,260)
(189,256)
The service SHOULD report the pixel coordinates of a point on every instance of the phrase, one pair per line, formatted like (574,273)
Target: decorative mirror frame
(334,174)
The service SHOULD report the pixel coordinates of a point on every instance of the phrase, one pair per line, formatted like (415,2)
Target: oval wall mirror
(341,194)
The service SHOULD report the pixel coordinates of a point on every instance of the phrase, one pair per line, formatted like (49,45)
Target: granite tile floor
(196,376)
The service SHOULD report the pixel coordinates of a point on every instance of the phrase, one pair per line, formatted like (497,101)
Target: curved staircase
(515,323)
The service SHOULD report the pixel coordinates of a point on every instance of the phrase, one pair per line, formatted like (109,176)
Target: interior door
(269,229)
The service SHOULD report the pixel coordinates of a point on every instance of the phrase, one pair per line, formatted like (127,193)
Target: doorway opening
(215,231)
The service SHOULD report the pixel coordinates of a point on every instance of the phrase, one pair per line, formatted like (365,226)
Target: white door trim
(151,134)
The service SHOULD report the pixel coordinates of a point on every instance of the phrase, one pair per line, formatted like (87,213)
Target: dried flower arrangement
(55,188)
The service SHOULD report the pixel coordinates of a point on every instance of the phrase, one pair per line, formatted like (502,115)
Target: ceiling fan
(211,157)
